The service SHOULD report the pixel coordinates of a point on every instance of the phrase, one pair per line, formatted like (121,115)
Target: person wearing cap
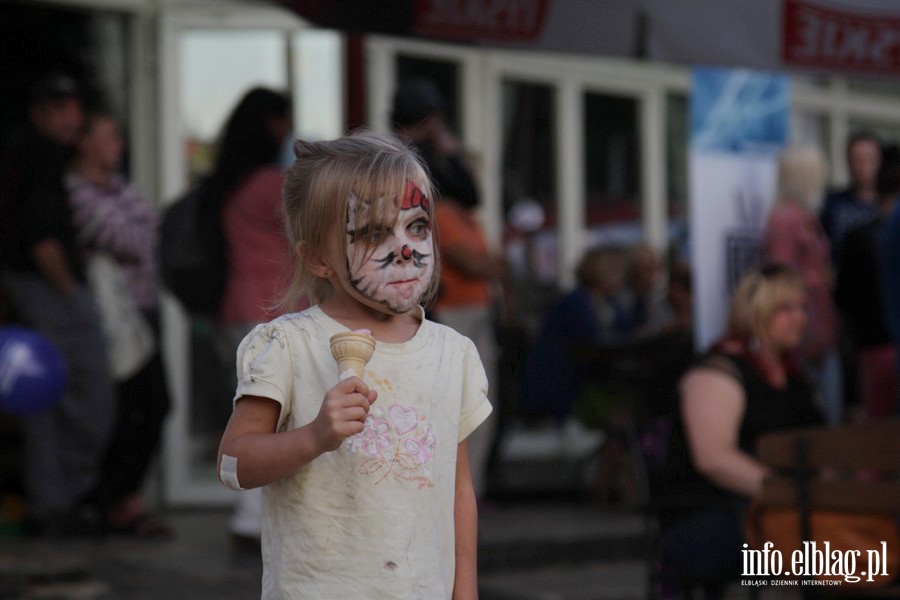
(468,268)
(43,276)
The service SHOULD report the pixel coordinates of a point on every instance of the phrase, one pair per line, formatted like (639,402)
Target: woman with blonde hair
(794,236)
(748,384)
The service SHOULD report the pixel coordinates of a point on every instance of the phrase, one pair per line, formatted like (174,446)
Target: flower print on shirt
(398,443)
(421,448)
(375,437)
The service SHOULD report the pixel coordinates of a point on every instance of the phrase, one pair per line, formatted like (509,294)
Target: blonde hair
(317,190)
(802,175)
(758,296)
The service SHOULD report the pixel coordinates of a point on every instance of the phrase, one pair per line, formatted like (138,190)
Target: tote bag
(129,339)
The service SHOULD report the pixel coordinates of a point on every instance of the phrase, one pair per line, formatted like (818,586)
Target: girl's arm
(712,407)
(263,456)
(465,513)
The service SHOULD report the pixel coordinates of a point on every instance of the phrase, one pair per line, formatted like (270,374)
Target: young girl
(363,498)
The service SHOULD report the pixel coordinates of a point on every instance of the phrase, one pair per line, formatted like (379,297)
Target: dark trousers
(143,402)
(702,549)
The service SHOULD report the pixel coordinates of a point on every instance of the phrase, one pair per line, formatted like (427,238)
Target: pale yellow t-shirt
(373,519)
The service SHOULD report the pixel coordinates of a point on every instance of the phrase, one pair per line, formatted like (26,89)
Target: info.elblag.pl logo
(813,565)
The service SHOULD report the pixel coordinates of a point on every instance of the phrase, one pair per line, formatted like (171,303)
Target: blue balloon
(33,373)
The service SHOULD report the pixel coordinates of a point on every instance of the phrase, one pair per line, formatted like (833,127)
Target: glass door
(210,60)
(612,169)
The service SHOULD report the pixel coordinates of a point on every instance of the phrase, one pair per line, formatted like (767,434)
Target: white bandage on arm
(228,473)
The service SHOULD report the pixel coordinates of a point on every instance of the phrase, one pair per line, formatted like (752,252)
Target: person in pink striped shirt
(111,216)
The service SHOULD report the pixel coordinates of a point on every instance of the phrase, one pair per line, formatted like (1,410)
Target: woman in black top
(745,386)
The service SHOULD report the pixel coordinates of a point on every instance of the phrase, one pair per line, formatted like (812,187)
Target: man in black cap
(43,276)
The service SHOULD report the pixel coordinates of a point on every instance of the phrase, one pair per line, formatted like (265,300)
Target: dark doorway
(37,40)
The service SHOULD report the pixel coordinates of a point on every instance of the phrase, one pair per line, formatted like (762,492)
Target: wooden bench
(853,469)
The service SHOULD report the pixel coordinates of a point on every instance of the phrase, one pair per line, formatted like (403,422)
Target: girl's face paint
(391,264)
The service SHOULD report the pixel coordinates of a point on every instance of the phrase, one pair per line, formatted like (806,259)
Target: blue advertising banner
(740,120)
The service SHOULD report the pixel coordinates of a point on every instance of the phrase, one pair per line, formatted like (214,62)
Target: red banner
(816,36)
(480,20)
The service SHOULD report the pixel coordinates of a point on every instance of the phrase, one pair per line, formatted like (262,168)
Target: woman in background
(113,218)
(246,182)
(794,237)
(748,384)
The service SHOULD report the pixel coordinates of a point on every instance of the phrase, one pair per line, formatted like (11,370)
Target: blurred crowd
(78,266)
(812,333)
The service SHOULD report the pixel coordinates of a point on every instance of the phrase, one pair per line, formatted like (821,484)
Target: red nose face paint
(406,253)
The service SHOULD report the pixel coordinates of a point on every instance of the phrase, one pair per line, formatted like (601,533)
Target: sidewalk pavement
(527,551)
(200,563)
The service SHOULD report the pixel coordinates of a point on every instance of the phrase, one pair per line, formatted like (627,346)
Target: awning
(852,36)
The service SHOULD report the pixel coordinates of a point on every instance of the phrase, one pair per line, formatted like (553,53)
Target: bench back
(862,465)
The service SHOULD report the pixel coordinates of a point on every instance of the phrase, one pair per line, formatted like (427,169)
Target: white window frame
(839,105)
(484,70)
(571,76)
(381,55)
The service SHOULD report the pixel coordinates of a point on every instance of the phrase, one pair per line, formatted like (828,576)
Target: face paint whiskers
(419,259)
(406,253)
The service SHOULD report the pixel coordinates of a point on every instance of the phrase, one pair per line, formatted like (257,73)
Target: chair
(850,470)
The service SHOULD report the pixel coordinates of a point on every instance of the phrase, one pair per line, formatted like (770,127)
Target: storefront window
(612,163)
(217,68)
(529,163)
(810,129)
(677,191)
(677,132)
(882,87)
(443,74)
(91,46)
(529,195)
(319,87)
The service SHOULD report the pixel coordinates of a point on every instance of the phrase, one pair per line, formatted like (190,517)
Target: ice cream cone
(352,350)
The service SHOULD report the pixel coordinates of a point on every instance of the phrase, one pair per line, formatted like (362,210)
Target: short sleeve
(722,363)
(264,366)
(475,404)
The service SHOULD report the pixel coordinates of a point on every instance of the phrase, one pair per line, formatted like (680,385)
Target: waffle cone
(351,351)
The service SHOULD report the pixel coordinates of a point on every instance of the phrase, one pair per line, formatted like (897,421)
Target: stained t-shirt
(373,519)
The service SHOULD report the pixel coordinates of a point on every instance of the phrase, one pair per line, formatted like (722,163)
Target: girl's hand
(343,413)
